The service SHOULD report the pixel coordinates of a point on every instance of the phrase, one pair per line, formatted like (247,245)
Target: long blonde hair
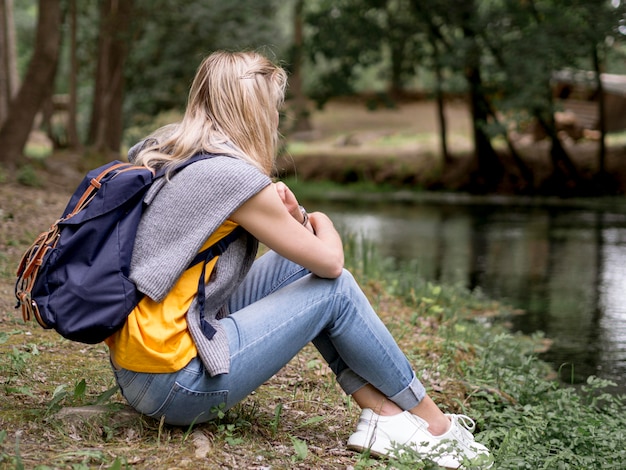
(232,109)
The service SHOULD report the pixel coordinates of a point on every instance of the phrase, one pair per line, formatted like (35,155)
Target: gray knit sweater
(181,215)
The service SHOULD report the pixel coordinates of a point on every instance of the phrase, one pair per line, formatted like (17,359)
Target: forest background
(98,75)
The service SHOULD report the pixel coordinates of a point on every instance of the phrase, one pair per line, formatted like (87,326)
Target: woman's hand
(289,200)
(291,204)
(272,217)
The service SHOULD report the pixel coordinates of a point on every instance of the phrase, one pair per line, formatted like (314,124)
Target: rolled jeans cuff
(407,398)
(411,396)
(350,382)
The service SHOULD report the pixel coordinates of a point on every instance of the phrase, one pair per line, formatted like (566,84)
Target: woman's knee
(348,280)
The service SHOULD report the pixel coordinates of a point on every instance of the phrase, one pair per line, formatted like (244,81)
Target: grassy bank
(59,407)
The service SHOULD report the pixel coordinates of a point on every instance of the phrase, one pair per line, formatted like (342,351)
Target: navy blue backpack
(74,277)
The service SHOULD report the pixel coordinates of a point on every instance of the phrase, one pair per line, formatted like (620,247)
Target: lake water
(565,267)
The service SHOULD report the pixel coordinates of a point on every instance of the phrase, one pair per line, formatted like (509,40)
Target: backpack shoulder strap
(204,257)
(217,248)
(195,158)
(94,186)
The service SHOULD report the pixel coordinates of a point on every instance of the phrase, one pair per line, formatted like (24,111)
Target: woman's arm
(273,217)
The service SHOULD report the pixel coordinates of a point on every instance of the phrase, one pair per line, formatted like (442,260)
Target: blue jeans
(278,309)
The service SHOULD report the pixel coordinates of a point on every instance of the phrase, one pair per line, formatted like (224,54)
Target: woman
(173,363)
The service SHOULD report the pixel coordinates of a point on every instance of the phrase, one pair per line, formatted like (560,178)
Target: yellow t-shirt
(155,337)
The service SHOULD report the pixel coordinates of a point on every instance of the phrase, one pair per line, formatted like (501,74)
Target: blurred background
(96,75)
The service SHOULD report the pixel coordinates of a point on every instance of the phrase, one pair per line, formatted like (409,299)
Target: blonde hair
(232,109)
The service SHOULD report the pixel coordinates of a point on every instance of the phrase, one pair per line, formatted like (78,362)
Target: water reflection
(565,267)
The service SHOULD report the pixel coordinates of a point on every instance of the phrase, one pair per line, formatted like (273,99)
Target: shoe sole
(379,455)
(369,450)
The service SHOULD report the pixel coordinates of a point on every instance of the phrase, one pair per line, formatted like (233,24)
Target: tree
(601,20)
(438,55)
(406,42)
(454,30)
(301,123)
(9,80)
(354,34)
(72,126)
(171,37)
(507,51)
(528,42)
(105,131)
(547,23)
(36,84)
(345,37)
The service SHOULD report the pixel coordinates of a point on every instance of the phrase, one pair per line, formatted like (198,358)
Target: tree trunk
(441,115)
(9,79)
(72,128)
(396,85)
(602,176)
(525,183)
(4,66)
(105,131)
(564,178)
(41,71)
(490,170)
(302,122)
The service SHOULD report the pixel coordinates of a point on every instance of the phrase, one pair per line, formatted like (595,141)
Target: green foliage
(231,425)
(27,176)
(348,37)
(36,151)
(19,357)
(558,427)
(146,125)
(77,397)
(174,36)
(276,420)
(397,38)
(522,44)
(6,458)
(25,18)
(300,448)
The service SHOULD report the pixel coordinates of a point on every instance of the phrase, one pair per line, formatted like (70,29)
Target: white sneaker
(452,449)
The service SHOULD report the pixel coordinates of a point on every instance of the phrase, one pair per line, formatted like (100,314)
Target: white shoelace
(464,420)
(462,428)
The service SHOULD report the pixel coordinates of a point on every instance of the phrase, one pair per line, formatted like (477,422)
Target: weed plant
(537,423)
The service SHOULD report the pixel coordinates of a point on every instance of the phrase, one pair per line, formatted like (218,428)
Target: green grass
(616,138)
(320,190)
(403,139)
(38,151)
